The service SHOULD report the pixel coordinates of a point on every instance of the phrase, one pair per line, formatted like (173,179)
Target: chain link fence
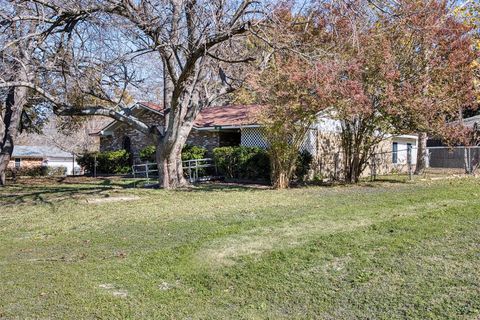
(440,161)
(454,159)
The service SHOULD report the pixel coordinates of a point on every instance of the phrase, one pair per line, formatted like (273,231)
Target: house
(234,125)
(218,126)
(442,155)
(46,156)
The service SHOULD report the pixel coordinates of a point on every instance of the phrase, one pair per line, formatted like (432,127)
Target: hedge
(251,163)
(37,171)
(108,162)
(248,163)
(189,152)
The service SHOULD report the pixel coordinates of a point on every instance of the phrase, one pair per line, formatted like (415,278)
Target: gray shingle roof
(470,122)
(39,152)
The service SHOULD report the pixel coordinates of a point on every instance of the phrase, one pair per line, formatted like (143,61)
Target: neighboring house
(33,156)
(472,123)
(235,125)
(441,155)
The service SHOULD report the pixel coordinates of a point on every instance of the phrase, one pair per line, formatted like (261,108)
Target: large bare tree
(19,38)
(97,50)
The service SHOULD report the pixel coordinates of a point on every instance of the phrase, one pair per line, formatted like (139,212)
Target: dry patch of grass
(257,241)
(112,199)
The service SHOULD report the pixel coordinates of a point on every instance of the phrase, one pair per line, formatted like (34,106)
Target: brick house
(37,156)
(231,125)
(234,125)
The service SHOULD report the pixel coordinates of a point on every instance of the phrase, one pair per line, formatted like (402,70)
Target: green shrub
(240,162)
(108,162)
(147,154)
(36,171)
(304,162)
(57,171)
(33,171)
(189,152)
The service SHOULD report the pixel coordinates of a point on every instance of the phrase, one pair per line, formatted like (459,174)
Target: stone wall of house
(206,139)
(328,162)
(138,140)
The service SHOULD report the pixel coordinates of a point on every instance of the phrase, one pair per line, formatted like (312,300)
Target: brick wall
(207,139)
(26,162)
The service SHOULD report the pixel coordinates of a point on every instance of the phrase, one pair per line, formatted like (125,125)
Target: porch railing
(195,170)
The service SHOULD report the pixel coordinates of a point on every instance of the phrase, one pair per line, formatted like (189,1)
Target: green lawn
(387,250)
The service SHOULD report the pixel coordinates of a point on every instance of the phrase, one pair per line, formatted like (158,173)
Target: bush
(37,171)
(304,162)
(108,162)
(57,171)
(189,152)
(147,154)
(242,163)
(33,171)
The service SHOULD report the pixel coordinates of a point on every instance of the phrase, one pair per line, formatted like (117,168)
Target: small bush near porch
(87,249)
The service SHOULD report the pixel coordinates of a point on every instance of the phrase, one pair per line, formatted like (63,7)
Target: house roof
(39,152)
(470,122)
(218,116)
(153,106)
(229,115)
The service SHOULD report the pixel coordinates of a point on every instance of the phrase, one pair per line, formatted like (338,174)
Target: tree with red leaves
(294,91)
(433,54)
(292,86)
(400,68)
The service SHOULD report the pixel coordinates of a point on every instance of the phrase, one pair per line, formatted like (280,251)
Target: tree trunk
(169,160)
(4,159)
(11,117)
(281,180)
(422,154)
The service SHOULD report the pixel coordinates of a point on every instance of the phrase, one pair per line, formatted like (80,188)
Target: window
(18,162)
(229,138)
(127,146)
(395,152)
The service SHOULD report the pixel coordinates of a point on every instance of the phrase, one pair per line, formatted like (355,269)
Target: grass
(387,250)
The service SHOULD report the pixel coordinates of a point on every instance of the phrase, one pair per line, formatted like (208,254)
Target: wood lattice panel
(253,137)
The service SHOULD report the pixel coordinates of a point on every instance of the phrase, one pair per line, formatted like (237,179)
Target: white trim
(405,136)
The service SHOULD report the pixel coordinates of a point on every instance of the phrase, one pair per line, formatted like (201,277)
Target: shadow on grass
(37,194)
(386,180)
(241,186)
(105,181)
(225,187)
